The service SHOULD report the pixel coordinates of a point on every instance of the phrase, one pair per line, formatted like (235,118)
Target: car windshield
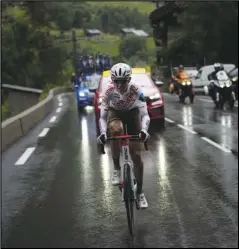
(141,79)
(233,73)
(192,73)
(92,82)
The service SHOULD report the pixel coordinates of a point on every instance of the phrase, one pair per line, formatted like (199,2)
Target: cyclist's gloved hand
(144,135)
(102,138)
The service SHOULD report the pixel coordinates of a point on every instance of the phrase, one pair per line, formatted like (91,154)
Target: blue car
(83,96)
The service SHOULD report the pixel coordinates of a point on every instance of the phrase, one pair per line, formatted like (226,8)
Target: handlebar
(124,137)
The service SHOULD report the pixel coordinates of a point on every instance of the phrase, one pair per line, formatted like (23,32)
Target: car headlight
(81,94)
(234,79)
(156,103)
(155,96)
(184,83)
(189,82)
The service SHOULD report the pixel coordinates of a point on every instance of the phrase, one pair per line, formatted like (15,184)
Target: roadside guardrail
(18,126)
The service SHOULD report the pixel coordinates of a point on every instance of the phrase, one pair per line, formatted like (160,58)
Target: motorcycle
(182,86)
(186,90)
(224,90)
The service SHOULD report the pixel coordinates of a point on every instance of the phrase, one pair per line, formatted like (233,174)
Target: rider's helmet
(217,67)
(121,76)
(221,66)
(180,68)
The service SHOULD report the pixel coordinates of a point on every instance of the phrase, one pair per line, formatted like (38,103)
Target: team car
(85,92)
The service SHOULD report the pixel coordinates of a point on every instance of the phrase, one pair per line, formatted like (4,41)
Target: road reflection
(106,169)
(187,116)
(162,168)
(85,153)
(225,138)
(226,121)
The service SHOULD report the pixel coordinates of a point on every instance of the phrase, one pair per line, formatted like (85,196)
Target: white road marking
(53,119)
(60,103)
(58,110)
(169,120)
(44,132)
(215,144)
(25,156)
(187,129)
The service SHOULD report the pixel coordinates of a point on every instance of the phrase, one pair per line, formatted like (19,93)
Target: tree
(209,29)
(131,45)
(29,54)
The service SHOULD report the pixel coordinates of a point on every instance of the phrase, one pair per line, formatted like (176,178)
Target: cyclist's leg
(134,126)
(135,153)
(115,129)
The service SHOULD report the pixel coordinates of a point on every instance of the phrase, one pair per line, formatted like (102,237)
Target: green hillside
(108,45)
(143,7)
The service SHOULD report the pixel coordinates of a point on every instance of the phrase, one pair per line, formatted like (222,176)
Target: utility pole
(74,55)
(165,34)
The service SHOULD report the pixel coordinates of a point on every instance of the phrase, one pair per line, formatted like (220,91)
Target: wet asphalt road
(62,195)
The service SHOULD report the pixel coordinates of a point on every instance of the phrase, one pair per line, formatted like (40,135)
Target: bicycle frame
(125,160)
(128,183)
(125,163)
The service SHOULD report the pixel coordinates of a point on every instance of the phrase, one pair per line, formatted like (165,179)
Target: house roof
(93,31)
(137,32)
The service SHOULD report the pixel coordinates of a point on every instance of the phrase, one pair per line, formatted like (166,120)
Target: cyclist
(124,102)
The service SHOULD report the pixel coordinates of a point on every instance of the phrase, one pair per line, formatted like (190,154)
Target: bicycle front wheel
(129,198)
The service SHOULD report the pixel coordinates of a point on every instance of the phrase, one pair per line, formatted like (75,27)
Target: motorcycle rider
(174,86)
(212,90)
(124,101)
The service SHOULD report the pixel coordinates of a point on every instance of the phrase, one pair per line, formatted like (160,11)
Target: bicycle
(128,184)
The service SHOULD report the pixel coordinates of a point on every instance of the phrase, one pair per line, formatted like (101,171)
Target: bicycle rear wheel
(129,198)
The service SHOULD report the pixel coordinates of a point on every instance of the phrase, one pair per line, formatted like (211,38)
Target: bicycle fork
(126,163)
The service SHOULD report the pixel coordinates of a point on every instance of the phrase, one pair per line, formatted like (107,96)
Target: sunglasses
(121,81)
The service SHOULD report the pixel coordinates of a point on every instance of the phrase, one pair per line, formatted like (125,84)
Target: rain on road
(60,194)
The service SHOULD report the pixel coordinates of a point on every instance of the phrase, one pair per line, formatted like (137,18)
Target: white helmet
(121,71)
(217,66)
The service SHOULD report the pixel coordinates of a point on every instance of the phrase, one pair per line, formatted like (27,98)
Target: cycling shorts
(130,118)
